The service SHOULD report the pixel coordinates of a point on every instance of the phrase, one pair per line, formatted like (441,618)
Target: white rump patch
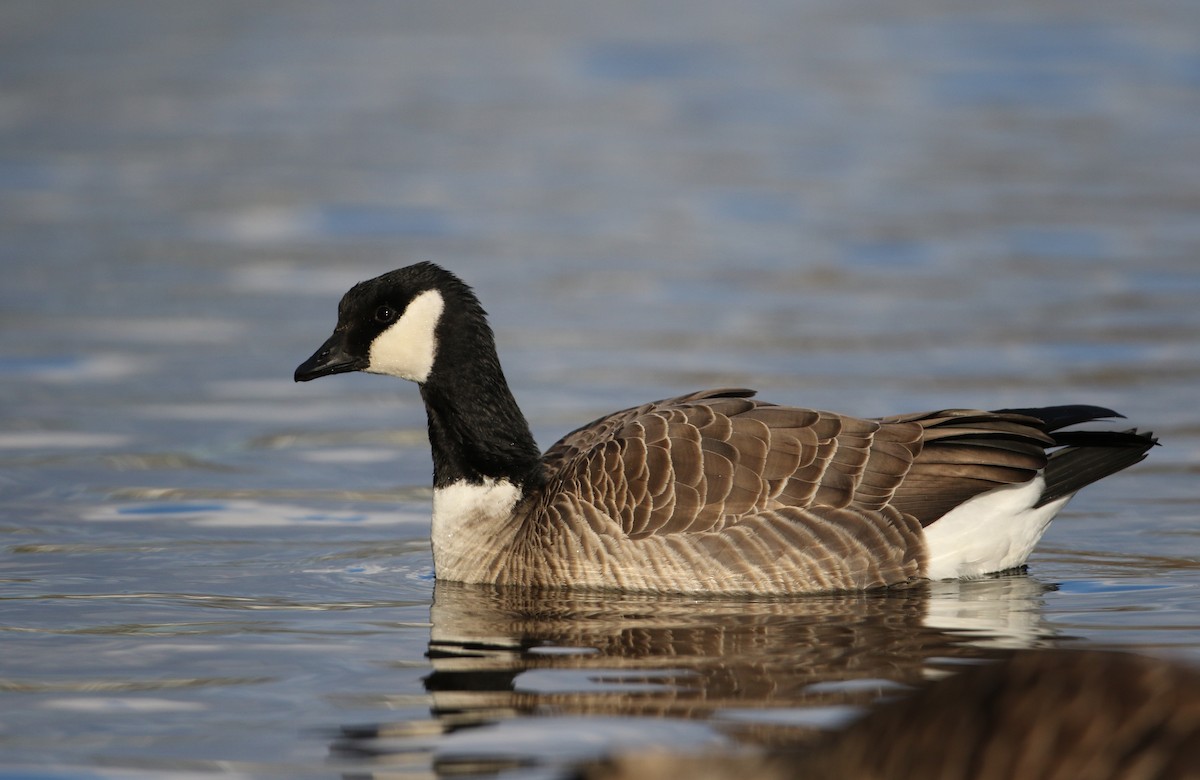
(991,532)
(408,347)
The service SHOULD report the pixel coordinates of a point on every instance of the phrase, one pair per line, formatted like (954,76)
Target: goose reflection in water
(746,672)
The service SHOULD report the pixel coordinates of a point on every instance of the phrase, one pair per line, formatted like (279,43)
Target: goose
(1042,713)
(713,492)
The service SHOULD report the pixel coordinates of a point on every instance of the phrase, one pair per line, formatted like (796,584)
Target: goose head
(424,324)
(393,325)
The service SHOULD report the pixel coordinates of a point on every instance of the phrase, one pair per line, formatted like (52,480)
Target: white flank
(469,522)
(991,532)
(408,347)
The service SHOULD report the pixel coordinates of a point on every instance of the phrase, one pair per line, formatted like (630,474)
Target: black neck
(476,429)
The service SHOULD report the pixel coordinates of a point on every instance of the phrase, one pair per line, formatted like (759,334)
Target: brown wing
(705,461)
(967,452)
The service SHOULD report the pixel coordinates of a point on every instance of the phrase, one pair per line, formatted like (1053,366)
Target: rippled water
(869,207)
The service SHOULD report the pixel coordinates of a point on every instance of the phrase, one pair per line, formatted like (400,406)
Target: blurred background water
(866,206)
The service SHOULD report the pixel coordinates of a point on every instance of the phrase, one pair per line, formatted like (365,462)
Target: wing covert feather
(708,461)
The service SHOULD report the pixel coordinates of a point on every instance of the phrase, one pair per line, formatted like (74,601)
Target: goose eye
(385,314)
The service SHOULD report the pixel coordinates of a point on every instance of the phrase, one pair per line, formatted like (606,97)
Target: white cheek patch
(408,347)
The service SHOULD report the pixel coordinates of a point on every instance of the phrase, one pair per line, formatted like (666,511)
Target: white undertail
(991,532)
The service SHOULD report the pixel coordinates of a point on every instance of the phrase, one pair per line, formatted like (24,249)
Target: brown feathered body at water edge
(715,491)
(1039,715)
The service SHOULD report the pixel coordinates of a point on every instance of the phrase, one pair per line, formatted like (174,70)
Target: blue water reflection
(875,208)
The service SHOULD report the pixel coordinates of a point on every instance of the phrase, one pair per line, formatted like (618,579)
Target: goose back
(717,490)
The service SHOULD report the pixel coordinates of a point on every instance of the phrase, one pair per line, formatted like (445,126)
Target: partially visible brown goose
(710,492)
(1052,714)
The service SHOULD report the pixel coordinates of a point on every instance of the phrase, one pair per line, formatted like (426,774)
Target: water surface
(205,568)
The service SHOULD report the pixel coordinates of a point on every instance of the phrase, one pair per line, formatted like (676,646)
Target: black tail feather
(1086,456)
(1055,417)
(1090,456)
